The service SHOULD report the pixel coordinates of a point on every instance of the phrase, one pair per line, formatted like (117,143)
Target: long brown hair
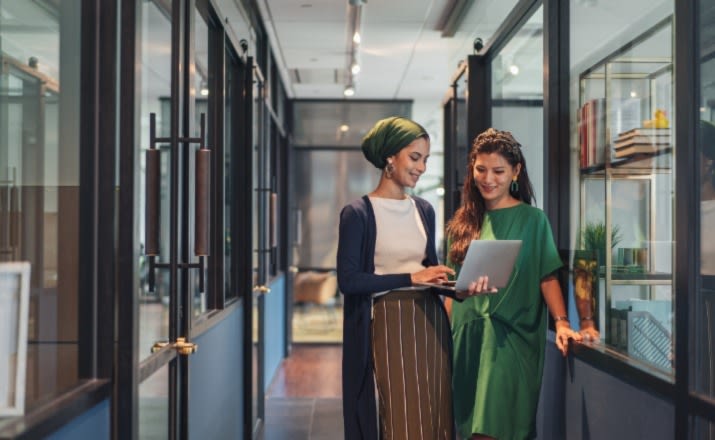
(466,224)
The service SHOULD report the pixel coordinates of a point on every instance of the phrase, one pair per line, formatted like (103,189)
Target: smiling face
(493,176)
(410,162)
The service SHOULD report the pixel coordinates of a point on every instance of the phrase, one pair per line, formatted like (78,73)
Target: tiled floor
(304,400)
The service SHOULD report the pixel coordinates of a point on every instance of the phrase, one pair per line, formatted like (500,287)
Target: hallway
(304,400)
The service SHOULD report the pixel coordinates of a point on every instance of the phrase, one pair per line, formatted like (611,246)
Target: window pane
(230,114)
(319,124)
(201,96)
(518,97)
(623,187)
(154,405)
(704,381)
(39,179)
(701,429)
(328,171)
(155,98)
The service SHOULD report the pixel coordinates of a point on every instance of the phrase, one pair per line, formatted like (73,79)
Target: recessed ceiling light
(349,91)
(355,68)
(514,69)
(344,128)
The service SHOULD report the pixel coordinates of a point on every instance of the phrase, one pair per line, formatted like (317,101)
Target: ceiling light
(633,94)
(344,128)
(204,89)
(440,191)
(353,34)
(514,69)
(703,109)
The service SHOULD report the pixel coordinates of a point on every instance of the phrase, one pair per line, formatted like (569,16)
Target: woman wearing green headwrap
(396,336)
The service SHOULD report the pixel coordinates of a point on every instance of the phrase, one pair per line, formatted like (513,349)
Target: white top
(707,237)
(401,238)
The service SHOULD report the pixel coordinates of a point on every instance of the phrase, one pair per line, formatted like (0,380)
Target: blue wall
(274,325)
(215,381)
(93,424)
(549,416)
(581,402)
(599,405)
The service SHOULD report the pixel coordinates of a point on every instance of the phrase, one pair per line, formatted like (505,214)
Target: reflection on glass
(517,71)
(39,180)
(702,429)
(155,93)
(704,381)
(626,180)
(154,406)
(517,95)
(231,90)
(318,124)
(201,96)
(259,271)
(343,176)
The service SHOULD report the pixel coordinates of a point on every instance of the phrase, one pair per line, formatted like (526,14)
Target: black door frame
(130,373)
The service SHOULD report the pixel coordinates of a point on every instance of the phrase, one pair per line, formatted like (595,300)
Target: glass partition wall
(328,170)
(622,112)
(518,97)
(703,383)
(40,183)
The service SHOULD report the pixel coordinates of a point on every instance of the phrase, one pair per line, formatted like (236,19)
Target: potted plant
(593,238)
(586,266)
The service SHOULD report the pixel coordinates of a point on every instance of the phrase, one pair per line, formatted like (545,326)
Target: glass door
(157,24)
(173,173)
(261,247)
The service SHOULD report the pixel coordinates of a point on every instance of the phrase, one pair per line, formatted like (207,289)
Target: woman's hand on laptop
(478,287)
(432,274)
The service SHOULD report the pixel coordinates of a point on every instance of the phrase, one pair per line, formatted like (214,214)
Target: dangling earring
(514,187)
(389,169)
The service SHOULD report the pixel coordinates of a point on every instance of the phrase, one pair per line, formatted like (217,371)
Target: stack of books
(592,133)
(641,140)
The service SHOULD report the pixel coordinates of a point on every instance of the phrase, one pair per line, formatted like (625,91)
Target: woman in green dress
(500,335)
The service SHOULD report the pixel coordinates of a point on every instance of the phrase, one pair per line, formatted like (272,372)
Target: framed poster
(14,309)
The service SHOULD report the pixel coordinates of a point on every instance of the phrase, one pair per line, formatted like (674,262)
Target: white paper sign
(14,309)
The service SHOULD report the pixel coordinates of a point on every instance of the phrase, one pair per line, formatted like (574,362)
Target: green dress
(499,339)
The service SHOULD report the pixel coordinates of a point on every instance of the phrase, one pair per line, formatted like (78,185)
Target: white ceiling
(402,53)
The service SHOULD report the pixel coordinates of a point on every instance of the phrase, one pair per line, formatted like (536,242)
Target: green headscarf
(387,137)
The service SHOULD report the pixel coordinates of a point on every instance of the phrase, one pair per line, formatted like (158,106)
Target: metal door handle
(261,289)
(181,346)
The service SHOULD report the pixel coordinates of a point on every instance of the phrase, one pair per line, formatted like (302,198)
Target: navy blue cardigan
(357,281)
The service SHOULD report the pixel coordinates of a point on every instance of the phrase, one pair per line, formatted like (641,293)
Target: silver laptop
(492,258)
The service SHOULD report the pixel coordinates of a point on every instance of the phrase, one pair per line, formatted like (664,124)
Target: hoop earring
(514,187)
(389,169)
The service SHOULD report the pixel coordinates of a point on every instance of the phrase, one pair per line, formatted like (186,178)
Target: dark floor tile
(301,418)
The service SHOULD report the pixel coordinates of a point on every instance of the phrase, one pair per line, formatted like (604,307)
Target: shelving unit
(632,195)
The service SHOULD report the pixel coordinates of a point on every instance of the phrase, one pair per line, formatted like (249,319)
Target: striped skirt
(411,350)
